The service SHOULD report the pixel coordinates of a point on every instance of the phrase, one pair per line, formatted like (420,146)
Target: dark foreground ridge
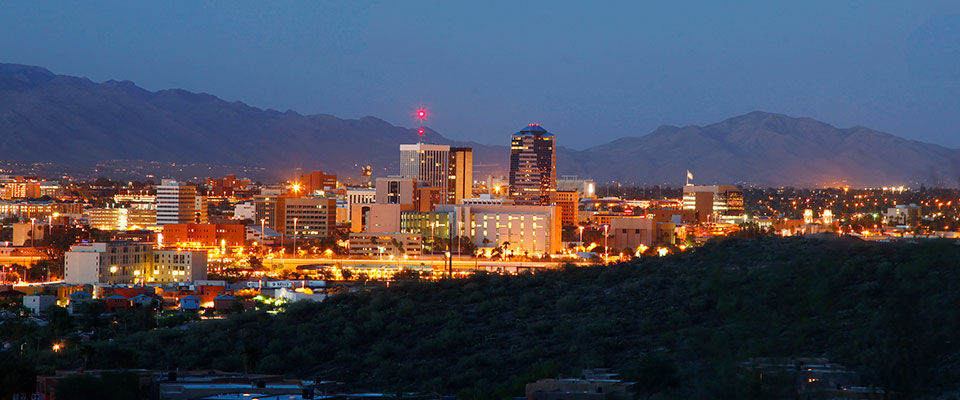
(679,326)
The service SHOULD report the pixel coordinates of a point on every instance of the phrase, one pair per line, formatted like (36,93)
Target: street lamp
(33,228)
(606,250)
(450,263)
(581,236)
(263,236)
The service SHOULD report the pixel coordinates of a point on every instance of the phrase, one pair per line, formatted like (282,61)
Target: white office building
(428,164)
(179,203)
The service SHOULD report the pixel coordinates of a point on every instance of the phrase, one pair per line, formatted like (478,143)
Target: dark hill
(678,325)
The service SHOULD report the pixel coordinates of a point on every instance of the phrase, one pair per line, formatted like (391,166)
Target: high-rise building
(533,161)
(428,164)
(717,203)
(179,203)
(460,184)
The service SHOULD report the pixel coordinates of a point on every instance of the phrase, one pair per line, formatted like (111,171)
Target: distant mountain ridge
(74,121)
(773,149)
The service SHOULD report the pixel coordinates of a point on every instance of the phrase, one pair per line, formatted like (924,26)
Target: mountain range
(45,117)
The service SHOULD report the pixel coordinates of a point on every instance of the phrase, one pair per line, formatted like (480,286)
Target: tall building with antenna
(533,166)
(429,164)
(437,166)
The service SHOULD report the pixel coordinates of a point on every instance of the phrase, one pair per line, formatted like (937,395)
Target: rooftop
(533,129)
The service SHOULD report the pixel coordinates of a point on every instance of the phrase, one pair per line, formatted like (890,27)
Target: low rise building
(591,385)
(39,303)
(631,232)
(121,219)
(375,218)
(131,262)
(385,244)
(521,229)
(204,235)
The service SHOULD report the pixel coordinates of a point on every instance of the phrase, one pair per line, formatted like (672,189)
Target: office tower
(533,161)
(460,184)
(179,203)
(428,164)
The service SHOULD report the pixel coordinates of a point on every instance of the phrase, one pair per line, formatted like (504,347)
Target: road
(465,264)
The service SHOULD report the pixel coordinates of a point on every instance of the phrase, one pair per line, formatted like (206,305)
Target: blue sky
(588,71)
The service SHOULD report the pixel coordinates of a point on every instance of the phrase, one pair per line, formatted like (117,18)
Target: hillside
(678,325)
(67,120)
(73,121)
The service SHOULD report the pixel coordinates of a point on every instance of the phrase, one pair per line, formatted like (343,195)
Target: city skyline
(668,237)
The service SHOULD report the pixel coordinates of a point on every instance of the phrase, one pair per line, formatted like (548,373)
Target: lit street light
(606,250)
(581,237)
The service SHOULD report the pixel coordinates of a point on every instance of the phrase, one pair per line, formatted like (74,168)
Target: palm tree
(400,250)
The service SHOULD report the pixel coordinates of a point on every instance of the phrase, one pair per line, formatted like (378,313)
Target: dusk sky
(588,71)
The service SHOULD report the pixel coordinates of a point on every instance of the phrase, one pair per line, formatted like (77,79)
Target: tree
(346,274)
(398,247)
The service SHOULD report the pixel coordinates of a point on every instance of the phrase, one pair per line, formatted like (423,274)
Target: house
(39,303)
(117,302)
(143,301)
(224,303)
(189,303)
(77,300)
(593,384)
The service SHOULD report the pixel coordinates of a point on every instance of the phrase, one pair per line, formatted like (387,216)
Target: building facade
(395,190)
(569,203)
(131,263)
(533,161)
(308,217)
(317,181)
(385,244)
(203,235)
(121,219)
(179,203)
(427,164)
(460,178)
(534,230)
(716,203)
